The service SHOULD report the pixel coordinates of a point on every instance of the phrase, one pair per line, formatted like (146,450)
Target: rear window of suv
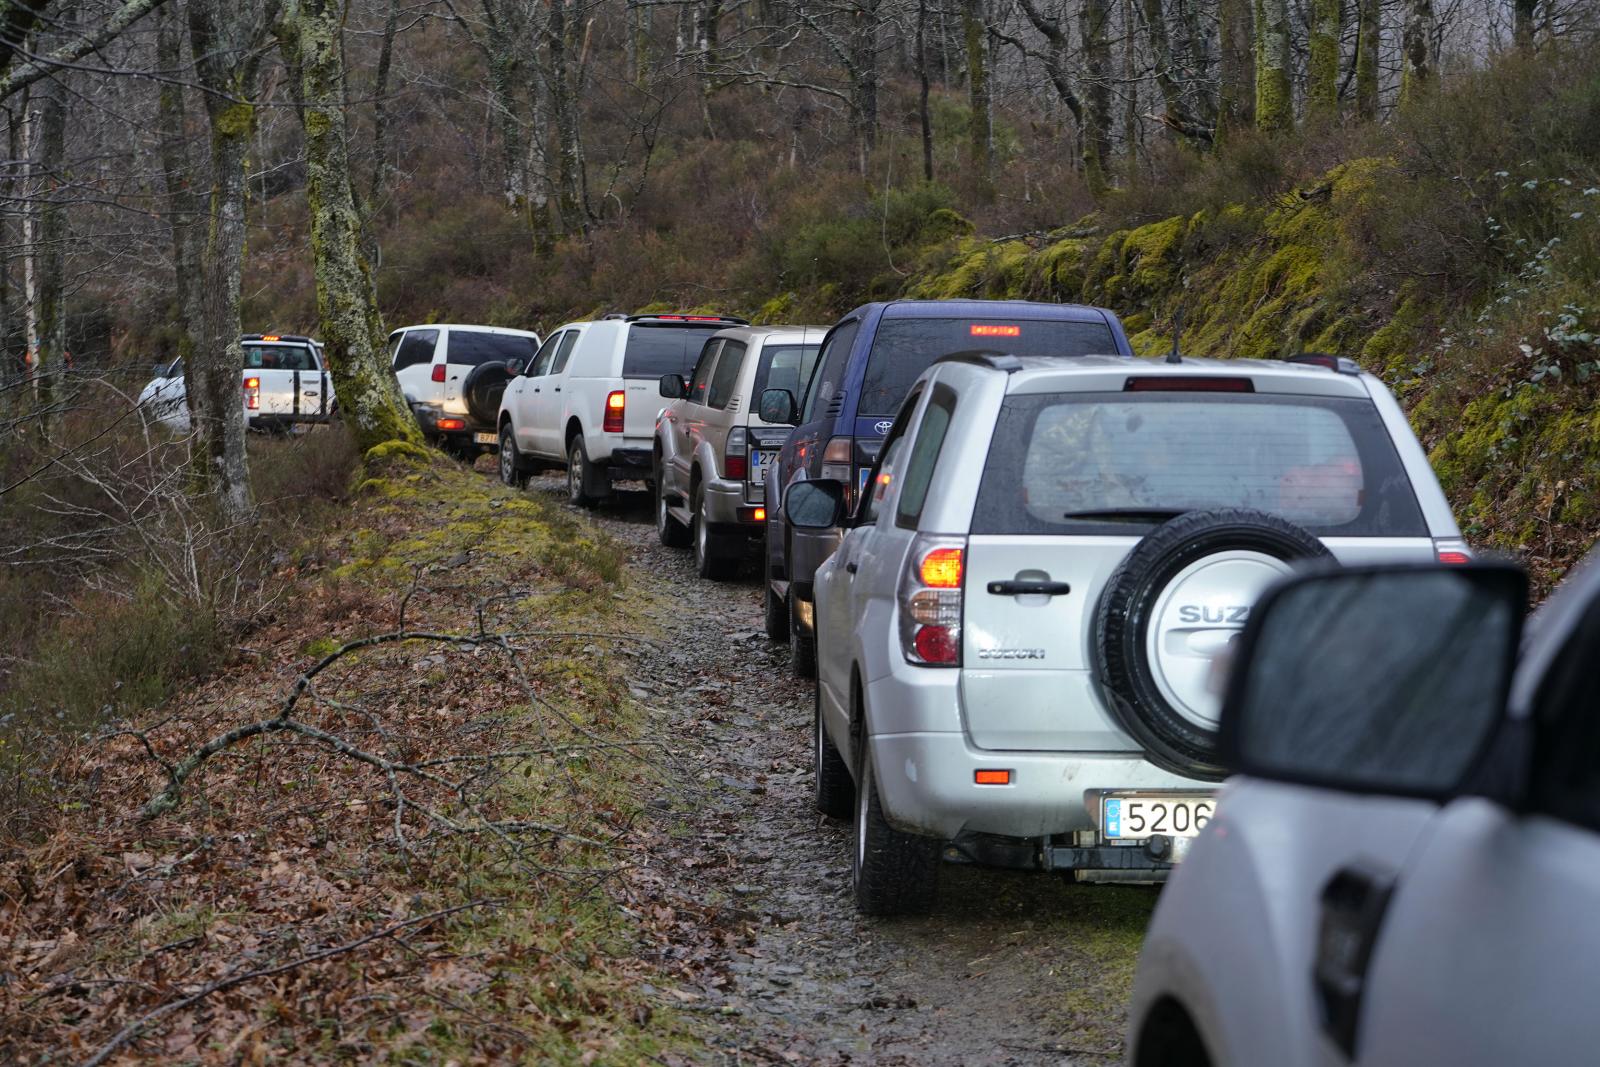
(903,348)
(475,348)
(279,357)
(655,349)
(1105,462)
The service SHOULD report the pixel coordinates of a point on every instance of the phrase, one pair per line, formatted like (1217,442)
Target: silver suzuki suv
(1018,638)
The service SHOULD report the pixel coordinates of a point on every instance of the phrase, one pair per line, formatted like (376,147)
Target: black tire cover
(484,386)
(1126,613)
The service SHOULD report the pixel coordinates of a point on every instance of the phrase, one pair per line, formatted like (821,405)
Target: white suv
(453,375)
(713,449)
(1016,635)
(589,400)
(284,385)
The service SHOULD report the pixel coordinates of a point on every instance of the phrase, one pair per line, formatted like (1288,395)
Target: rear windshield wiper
(1126,514)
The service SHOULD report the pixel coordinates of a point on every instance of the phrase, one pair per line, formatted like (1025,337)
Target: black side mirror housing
(817,504)
(673,387)
(778,406)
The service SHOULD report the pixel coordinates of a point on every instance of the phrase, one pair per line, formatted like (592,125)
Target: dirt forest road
(1010,968)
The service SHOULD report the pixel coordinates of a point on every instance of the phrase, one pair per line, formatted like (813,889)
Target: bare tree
(1236,103)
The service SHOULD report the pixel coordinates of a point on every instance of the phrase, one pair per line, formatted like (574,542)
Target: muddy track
(1011,967)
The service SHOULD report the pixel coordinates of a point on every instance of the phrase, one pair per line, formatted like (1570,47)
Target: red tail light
(252,394)
(616,405)
(735,466)
(736,456)
(452,424)
(1452,551)
(1454,557)
(930,600)
(438,372)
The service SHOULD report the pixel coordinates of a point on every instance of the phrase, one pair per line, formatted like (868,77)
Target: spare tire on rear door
(1177,600)
(484,386)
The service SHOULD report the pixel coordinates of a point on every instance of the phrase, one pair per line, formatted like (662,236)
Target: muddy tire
(892,873)
(709,562)
(514,469)
(802,644)
(669,531)
(777,612)
(580,475)
(835,793)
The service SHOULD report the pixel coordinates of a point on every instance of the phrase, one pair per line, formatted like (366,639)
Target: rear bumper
(283,422)
(631,462)
(729,512)
(428,416)
(925,783)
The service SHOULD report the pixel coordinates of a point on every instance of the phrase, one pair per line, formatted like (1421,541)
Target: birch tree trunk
(50,238)
(1322,72)
(1236,85)
(1274,94)
(1416,50)
(347,303)
(1369,41)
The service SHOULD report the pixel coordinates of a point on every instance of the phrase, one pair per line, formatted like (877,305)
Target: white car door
(1489,952)
(546,429)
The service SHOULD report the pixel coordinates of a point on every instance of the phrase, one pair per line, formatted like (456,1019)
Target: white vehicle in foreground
(1405,869)
(284,383)
(1015,637)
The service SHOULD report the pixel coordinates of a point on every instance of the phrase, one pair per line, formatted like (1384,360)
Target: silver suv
(1017,635)
(712,448)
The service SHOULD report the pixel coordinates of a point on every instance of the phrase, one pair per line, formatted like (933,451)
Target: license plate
(861,480)
(485,438)
(760,463)
(1138,817)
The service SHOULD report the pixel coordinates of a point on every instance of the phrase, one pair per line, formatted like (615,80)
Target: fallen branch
(129,1032)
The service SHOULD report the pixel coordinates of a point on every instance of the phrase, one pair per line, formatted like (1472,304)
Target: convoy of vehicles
(1053,594)
(283,385)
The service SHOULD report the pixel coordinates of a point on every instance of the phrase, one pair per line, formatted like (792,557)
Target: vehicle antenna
(1177,332)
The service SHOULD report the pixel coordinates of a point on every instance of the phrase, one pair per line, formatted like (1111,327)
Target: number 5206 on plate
(1138,817)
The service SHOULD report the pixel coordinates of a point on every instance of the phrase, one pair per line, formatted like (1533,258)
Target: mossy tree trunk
(1369,41)
(1094,29)
(924,118)
(1416,51)
(1236,75)
(227,41)
(1274,93)
(571,184)
(1522,23)
(347,303)
(980,140)
(49,121)
(1322,68)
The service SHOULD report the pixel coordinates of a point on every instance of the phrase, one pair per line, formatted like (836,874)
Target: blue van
(867,364)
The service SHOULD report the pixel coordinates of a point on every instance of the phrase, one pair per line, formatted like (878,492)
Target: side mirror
(814,505)
(1381,679)
(673,387)
(777,406)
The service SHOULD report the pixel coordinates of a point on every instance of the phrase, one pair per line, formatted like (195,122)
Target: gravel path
(1011,968)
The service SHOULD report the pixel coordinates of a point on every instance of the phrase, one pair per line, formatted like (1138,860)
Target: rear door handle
(557,389)
(1026,586)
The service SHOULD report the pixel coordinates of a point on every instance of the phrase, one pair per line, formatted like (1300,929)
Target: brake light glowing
(1454,558)
(438,372)
(1150,383)
(252,383)
(761,515)
(941,568)
(452,424)
(992,777)
(616,403)
(252,394)
(981,329)
(271,337)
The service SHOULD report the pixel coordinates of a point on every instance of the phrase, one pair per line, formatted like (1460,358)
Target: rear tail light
(438,372)
(836,464)
(616,406)
(452,424)
(1149,383)
(735,460)
(991,777)
(252,394)
(1453,552)
(930,601)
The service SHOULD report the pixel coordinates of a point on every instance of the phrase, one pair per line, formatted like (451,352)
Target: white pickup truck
(284,383)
